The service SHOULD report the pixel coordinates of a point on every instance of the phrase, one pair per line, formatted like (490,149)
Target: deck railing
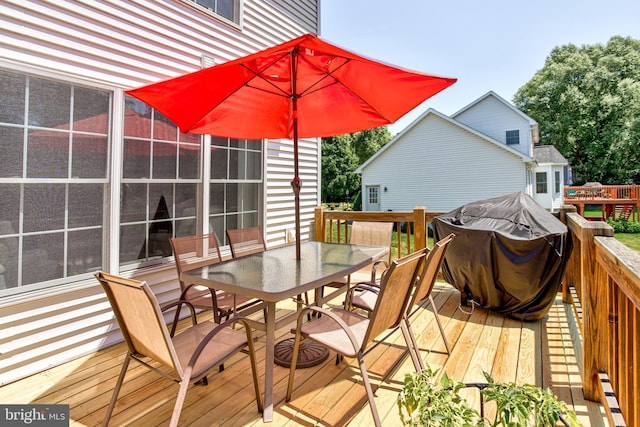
(410,227)
(617,201)
(620,192)
(602,281)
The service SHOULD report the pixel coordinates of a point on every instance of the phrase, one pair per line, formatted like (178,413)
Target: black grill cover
(509,254)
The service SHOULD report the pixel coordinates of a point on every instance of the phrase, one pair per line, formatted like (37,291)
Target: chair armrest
(179,303)
(215,331)
(365,286)
(362,287)
(176,303)
(375,267)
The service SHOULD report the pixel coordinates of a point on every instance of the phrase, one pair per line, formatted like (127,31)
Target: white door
(372,198)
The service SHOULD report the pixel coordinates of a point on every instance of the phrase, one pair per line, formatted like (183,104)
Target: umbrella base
(310,353)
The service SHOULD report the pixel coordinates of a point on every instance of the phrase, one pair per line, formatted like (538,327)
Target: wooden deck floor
(327,395)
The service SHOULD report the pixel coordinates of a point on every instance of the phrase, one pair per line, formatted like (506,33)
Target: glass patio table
(275,275)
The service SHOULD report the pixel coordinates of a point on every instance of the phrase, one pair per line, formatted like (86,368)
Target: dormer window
(513,137)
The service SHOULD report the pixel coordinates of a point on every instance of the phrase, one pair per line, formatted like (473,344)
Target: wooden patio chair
(349,333)
(246,241)
(364,295)
(192,252)
(184,358)
(376,233)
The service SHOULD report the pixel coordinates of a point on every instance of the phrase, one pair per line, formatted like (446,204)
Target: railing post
(594,310)
(318,218)
(420,228)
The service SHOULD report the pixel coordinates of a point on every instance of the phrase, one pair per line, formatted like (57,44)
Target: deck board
(538,352)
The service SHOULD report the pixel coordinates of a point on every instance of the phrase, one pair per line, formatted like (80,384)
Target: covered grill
(509,254)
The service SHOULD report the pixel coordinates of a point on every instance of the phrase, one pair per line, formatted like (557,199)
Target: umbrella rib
(325,75)
(282,93)
(259,75)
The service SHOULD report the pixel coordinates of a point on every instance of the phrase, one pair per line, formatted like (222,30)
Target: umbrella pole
(296,184)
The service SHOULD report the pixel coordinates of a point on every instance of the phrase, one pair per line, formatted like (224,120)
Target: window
(161,173)
(556,182)
(56,184)
(235,184)
(228,9)
(541,182)
(513,137)
(54,139)
(373,195)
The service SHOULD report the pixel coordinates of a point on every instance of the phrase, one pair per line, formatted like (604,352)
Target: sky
(488,45)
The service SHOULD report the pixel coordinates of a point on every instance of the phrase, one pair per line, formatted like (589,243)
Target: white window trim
(237,25)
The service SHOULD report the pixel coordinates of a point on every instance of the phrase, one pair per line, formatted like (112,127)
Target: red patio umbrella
(305,87)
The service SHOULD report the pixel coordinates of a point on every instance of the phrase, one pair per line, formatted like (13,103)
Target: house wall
(551,200)
(117,45)
(431,166)
(279,209)
(493,118)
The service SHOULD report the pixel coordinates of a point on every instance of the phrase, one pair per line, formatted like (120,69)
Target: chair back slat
(140,319)
(432,265)
(395,291)
(246,241)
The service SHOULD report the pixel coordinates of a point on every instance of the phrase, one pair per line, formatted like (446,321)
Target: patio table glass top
(275,274)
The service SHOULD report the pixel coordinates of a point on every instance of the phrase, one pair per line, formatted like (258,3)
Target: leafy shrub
(633,227)
(622,225)
(425,402)
(422,402)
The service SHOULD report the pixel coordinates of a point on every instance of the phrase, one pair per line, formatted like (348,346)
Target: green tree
(587,102)
(338,163)
(367,142)
(341,156)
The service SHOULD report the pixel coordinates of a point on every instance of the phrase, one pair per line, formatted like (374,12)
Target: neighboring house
(484,150)
(91,179)
(550,175)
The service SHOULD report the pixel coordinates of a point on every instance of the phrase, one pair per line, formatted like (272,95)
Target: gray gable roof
(548,154)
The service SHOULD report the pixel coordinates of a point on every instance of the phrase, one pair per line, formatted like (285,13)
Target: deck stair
(624,211)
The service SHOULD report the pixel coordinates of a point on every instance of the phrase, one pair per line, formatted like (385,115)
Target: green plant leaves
(425,401)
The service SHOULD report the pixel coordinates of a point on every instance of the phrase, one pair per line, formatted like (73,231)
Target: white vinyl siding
(491,117)
(279,196)
(113,46)
(441,166)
